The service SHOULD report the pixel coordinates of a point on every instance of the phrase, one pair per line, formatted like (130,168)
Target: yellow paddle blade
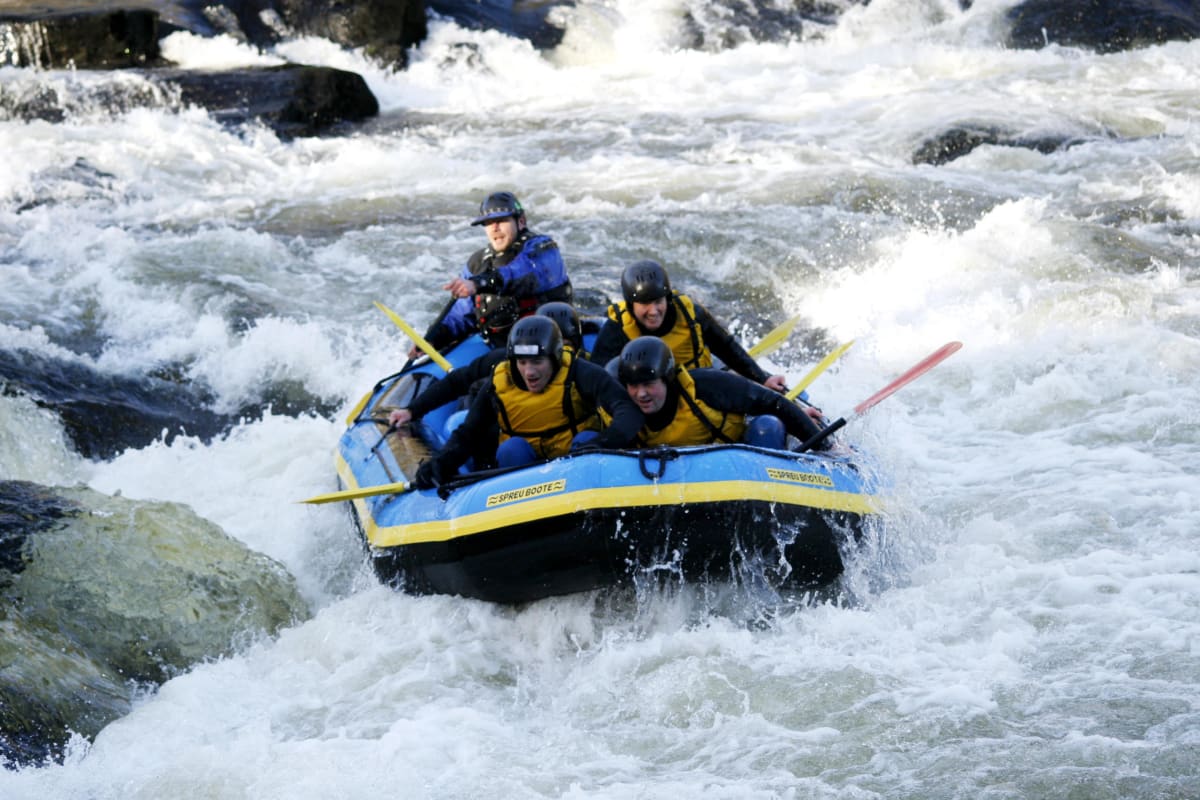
(354,494)
(417,338)
(817,370)
(771,342)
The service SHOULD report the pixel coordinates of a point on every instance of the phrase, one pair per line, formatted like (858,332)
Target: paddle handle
(822,435)
(917,370)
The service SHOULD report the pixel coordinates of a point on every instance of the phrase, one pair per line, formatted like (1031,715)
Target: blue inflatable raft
(597,519)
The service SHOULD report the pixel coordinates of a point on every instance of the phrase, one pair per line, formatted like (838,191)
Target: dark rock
(1103,25)
(957,142)
(84,39)
(385,29)
(724,24)
(293,99)
(522,19)
(106,414)
(116,33)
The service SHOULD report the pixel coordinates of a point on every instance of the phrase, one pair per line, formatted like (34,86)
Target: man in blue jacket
(517,262)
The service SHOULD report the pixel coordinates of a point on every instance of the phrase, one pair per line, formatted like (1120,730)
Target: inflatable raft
(596,519)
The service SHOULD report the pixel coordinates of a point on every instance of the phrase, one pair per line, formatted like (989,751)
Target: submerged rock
(959,141)
(101,594)
(106,414)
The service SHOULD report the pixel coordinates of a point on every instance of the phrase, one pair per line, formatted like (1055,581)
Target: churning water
(1027,627)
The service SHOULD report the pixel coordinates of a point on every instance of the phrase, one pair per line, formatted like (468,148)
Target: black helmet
(495,314)
(535,336)
(645,282)
(644,359)
(499,205)
(567,318)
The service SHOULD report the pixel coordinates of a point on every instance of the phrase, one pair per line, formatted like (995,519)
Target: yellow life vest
(684,338)
(549,420)
(695,421)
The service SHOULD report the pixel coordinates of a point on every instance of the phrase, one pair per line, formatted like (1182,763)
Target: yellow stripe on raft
(651,494)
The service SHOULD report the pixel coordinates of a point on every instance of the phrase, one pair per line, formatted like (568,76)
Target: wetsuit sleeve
(598,387)
(537,269)
(733,393)
(456,384)
(722,344)
(479,432)
(609,342)
(457,325)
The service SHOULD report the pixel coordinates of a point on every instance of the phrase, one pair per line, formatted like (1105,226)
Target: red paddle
(929,362)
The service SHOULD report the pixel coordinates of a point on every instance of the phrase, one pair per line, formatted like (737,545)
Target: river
(1029,627)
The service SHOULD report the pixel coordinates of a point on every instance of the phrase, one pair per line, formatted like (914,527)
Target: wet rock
(521,19)
(81,36)
(50,689)
(107,34)
(1105,26)
(106,414)
(384,29)
(100,595)
(958,142)
(724,24)
(294,100)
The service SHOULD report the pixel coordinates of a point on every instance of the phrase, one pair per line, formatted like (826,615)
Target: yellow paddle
(817,370)
(417,338)
(355,494)
(771,342)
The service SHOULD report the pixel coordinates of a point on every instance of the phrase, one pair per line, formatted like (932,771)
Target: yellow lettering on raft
(800,477)
(525,493)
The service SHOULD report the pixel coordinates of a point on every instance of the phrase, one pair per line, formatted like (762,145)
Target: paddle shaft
(817,370)
(914,372)
(417,338)
(355,494)
(774,338)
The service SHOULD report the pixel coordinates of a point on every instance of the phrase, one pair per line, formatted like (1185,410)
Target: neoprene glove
(429,474)
(488,282)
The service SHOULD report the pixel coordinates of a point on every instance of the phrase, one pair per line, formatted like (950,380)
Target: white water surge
(1029,628)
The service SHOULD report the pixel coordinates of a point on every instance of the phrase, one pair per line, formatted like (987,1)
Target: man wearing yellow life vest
(465,381)
(568,322)
(702,406)
(541,402)
(650,308)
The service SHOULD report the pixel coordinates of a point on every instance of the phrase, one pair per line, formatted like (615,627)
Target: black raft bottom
(795,548)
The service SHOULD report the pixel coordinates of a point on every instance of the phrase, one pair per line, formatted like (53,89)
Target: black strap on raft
(662,454)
